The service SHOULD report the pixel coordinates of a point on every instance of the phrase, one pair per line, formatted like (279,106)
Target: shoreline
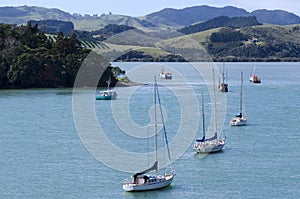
(128,84)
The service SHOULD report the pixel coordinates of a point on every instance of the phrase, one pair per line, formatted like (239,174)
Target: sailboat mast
(215,104)
(155,119)
(203,119)
(223,75)
(253,71)
(241,94)
(108,82)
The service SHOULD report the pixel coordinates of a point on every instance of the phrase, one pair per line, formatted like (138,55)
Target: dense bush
(30,59)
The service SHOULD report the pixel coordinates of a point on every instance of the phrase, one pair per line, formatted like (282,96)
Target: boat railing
(127,181)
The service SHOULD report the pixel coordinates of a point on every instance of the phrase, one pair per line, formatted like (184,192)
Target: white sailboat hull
(237,121)
(165,75)
(161,182)
(209,147)
(255,79)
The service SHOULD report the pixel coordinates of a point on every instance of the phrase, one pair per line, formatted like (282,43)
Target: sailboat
(223,87)
(165,75)
(254,78)
(108,94)
(239,120)
(144,180)
(212,144)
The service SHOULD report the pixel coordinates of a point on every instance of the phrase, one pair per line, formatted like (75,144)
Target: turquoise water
(42,155)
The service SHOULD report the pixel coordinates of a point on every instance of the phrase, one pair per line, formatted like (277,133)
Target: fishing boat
(240,119)
(211,144)
(223,87)
(150,179)
(108,94)
(254,78)
(165,75)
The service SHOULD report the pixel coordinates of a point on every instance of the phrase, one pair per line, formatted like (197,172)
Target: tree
(25,72)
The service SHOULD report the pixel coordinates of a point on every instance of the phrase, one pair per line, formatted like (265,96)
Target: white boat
(108,94)
(212,144)
(239,120)
(223,87)
(143,181)
(165,75)
(254,78)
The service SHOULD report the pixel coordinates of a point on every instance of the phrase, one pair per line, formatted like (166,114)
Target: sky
(142,8)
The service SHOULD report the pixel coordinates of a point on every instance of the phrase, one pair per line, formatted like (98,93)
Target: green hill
(22,14)
(223,21)
(255,43)
(95,23)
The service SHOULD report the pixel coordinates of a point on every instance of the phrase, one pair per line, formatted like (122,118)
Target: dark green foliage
(90,39)
(86,36)
(254,44)
(110,74)
(30,60)
(113,29)
(29,69)
(110,30)
(134,55)
(223,21)
(54,26)
(228,35)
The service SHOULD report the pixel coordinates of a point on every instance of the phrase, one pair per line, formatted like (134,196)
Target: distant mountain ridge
(167,17)
(188,16)
(278,17)
(22,14)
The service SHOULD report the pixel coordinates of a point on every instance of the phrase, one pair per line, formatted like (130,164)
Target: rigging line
(148,146)
(244,101)
(163,123)
(155,119)
(241,95)
(215,103)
